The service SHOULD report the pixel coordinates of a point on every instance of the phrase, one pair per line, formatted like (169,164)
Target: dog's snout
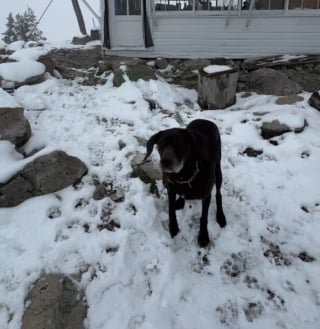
(166,162)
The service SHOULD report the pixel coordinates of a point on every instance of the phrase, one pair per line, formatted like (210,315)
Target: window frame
(238,12)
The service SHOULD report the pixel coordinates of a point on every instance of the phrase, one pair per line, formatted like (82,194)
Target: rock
(186,79)
(48,62)
(148,172)
(308,79)
(161,63)
(134,73)
(14,127)
(46,174)
(79,58)
(314,100)
(250,152)
(272,82)
(289,100)
(83,40)
(275,128)
(30,72)
(194,64)
(55,302)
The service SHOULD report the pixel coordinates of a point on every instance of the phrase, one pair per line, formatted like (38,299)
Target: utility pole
(79,16)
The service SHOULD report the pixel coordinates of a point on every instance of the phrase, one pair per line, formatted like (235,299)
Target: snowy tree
(10,34)
(23,27)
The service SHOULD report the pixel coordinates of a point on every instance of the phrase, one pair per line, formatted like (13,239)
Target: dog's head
(174,146)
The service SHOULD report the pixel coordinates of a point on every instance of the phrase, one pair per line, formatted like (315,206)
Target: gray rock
(273,129)
(272,82)
(31,80)
(289,100)
(83,40)
(276,128)
(314,100)
(48,62)
(79,58)
(194,64)
(149,172)
(46,174)
(55,302)
(14,127)
(161,63)
(134,73)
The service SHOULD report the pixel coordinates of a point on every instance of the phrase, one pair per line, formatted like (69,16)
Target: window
(227,6)
(264,5)
(122,6)
(303,4)
(173,5)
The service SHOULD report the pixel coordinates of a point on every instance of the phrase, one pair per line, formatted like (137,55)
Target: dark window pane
(120,7)
(295,4)
(134,7)
(310,4)
(277,4)
(173,5)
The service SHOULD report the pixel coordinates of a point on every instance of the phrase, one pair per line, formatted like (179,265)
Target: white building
(210,28)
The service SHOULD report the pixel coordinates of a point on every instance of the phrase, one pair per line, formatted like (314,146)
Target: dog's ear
(153,140)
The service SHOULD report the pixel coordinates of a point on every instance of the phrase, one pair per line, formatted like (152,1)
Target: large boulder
(314,100)
(79,58)
(25,72)
(14,127)
(46,174)
(134,73)
(55,302)
(271,82)
(48,62)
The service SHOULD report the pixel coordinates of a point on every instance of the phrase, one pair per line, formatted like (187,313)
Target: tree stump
(217,87)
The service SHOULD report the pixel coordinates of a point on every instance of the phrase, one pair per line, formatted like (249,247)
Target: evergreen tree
(10,34)
(23,27)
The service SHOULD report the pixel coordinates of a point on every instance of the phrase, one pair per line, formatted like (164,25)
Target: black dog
(190,163)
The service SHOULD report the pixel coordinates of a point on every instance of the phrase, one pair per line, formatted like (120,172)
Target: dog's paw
(180,203)
(173,229)
(203,239)
(221,220)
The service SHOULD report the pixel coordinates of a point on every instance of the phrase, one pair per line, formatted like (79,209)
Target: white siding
(235,37)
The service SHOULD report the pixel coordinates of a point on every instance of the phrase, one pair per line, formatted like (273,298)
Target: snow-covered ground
(261,271)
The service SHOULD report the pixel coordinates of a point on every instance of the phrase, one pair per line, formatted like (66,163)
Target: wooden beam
(79,16)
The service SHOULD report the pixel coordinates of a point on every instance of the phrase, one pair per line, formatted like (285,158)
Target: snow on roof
(21,71)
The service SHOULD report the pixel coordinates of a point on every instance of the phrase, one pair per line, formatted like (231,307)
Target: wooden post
(217,90)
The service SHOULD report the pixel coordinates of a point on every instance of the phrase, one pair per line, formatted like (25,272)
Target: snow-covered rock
(26,71)
(46,174)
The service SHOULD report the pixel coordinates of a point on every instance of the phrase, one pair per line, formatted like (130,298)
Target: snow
(16,45)
(20,71)
(137,276)
(28,53)
(210,69)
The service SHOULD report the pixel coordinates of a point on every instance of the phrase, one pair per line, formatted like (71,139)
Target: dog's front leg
(173,224)
(203,237)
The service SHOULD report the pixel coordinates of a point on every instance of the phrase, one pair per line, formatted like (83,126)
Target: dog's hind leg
(173,224)
(203,237)
(180,202)
(221,219)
